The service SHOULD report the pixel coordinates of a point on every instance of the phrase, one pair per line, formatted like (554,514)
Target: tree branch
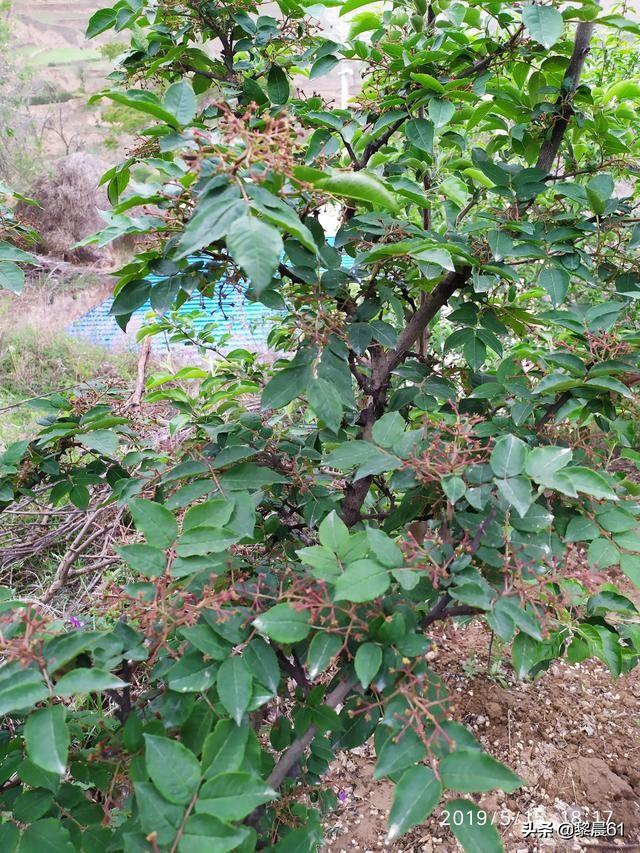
(284,270)
(295,671)
(484,63)
(288,764)
(356,492)
(293,754)
(440,611)
(427,310)
(551,410)
(377,144)
(564,108)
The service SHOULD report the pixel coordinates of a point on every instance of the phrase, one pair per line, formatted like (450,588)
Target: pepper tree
(450,261)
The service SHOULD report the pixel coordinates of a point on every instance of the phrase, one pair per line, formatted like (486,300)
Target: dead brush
(77,543)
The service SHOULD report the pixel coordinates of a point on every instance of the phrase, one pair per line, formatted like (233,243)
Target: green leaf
(149,561)
(322,559)
(440,112)
(544,461)
(232,796)
(517,493)
(154,520)
(99,22)
(543,23)
(605,644)
(508,456)
(352,5)
(204,833)
(11,277)
(359,186)
(427,81)
(284,624)
(213,217)
(47,738)
(199,541)
(363,580)
(180,101)
(323,66)
(630,565)
(278,212)
(247,475)
(133,295)
(47,834)
(454,488)
(22,692)
(602,553)
(256,247)
(104,441)
(63,648)
(333,532)
(87,681)
(419,133)
(157,815)
(388,429)
(277,85)
(599,191)
(262,662)
(145,102)
(469,824)
(367,662)
(416,795)
(349,454)
(525,653)
(469,770)
(590,483)
(224,748)
(207,641)
(521,617)
(9,837)
(581,529)
(284,386)
(623,90)
(322,650)
(398,753)
(173,769)
(610,602)
(235,684)
(608,383)
(8,252)
(385,549)
(325,402)
(472,593)
(376,462)
(214,513)
(475,352)
(31,805)
(556,282)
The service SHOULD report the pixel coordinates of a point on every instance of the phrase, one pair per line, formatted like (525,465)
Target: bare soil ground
(573,735)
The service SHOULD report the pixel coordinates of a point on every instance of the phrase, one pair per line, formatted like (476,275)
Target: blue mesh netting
(247,323)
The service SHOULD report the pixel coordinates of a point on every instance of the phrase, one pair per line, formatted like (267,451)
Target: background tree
(433,443)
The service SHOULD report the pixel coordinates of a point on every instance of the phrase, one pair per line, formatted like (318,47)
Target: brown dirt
(573,735)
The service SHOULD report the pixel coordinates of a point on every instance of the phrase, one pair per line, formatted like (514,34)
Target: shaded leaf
(47,738)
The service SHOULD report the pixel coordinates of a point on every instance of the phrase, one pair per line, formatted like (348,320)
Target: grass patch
(35,362)
(64,56)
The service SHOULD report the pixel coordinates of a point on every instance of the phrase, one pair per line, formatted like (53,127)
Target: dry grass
(69,200)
